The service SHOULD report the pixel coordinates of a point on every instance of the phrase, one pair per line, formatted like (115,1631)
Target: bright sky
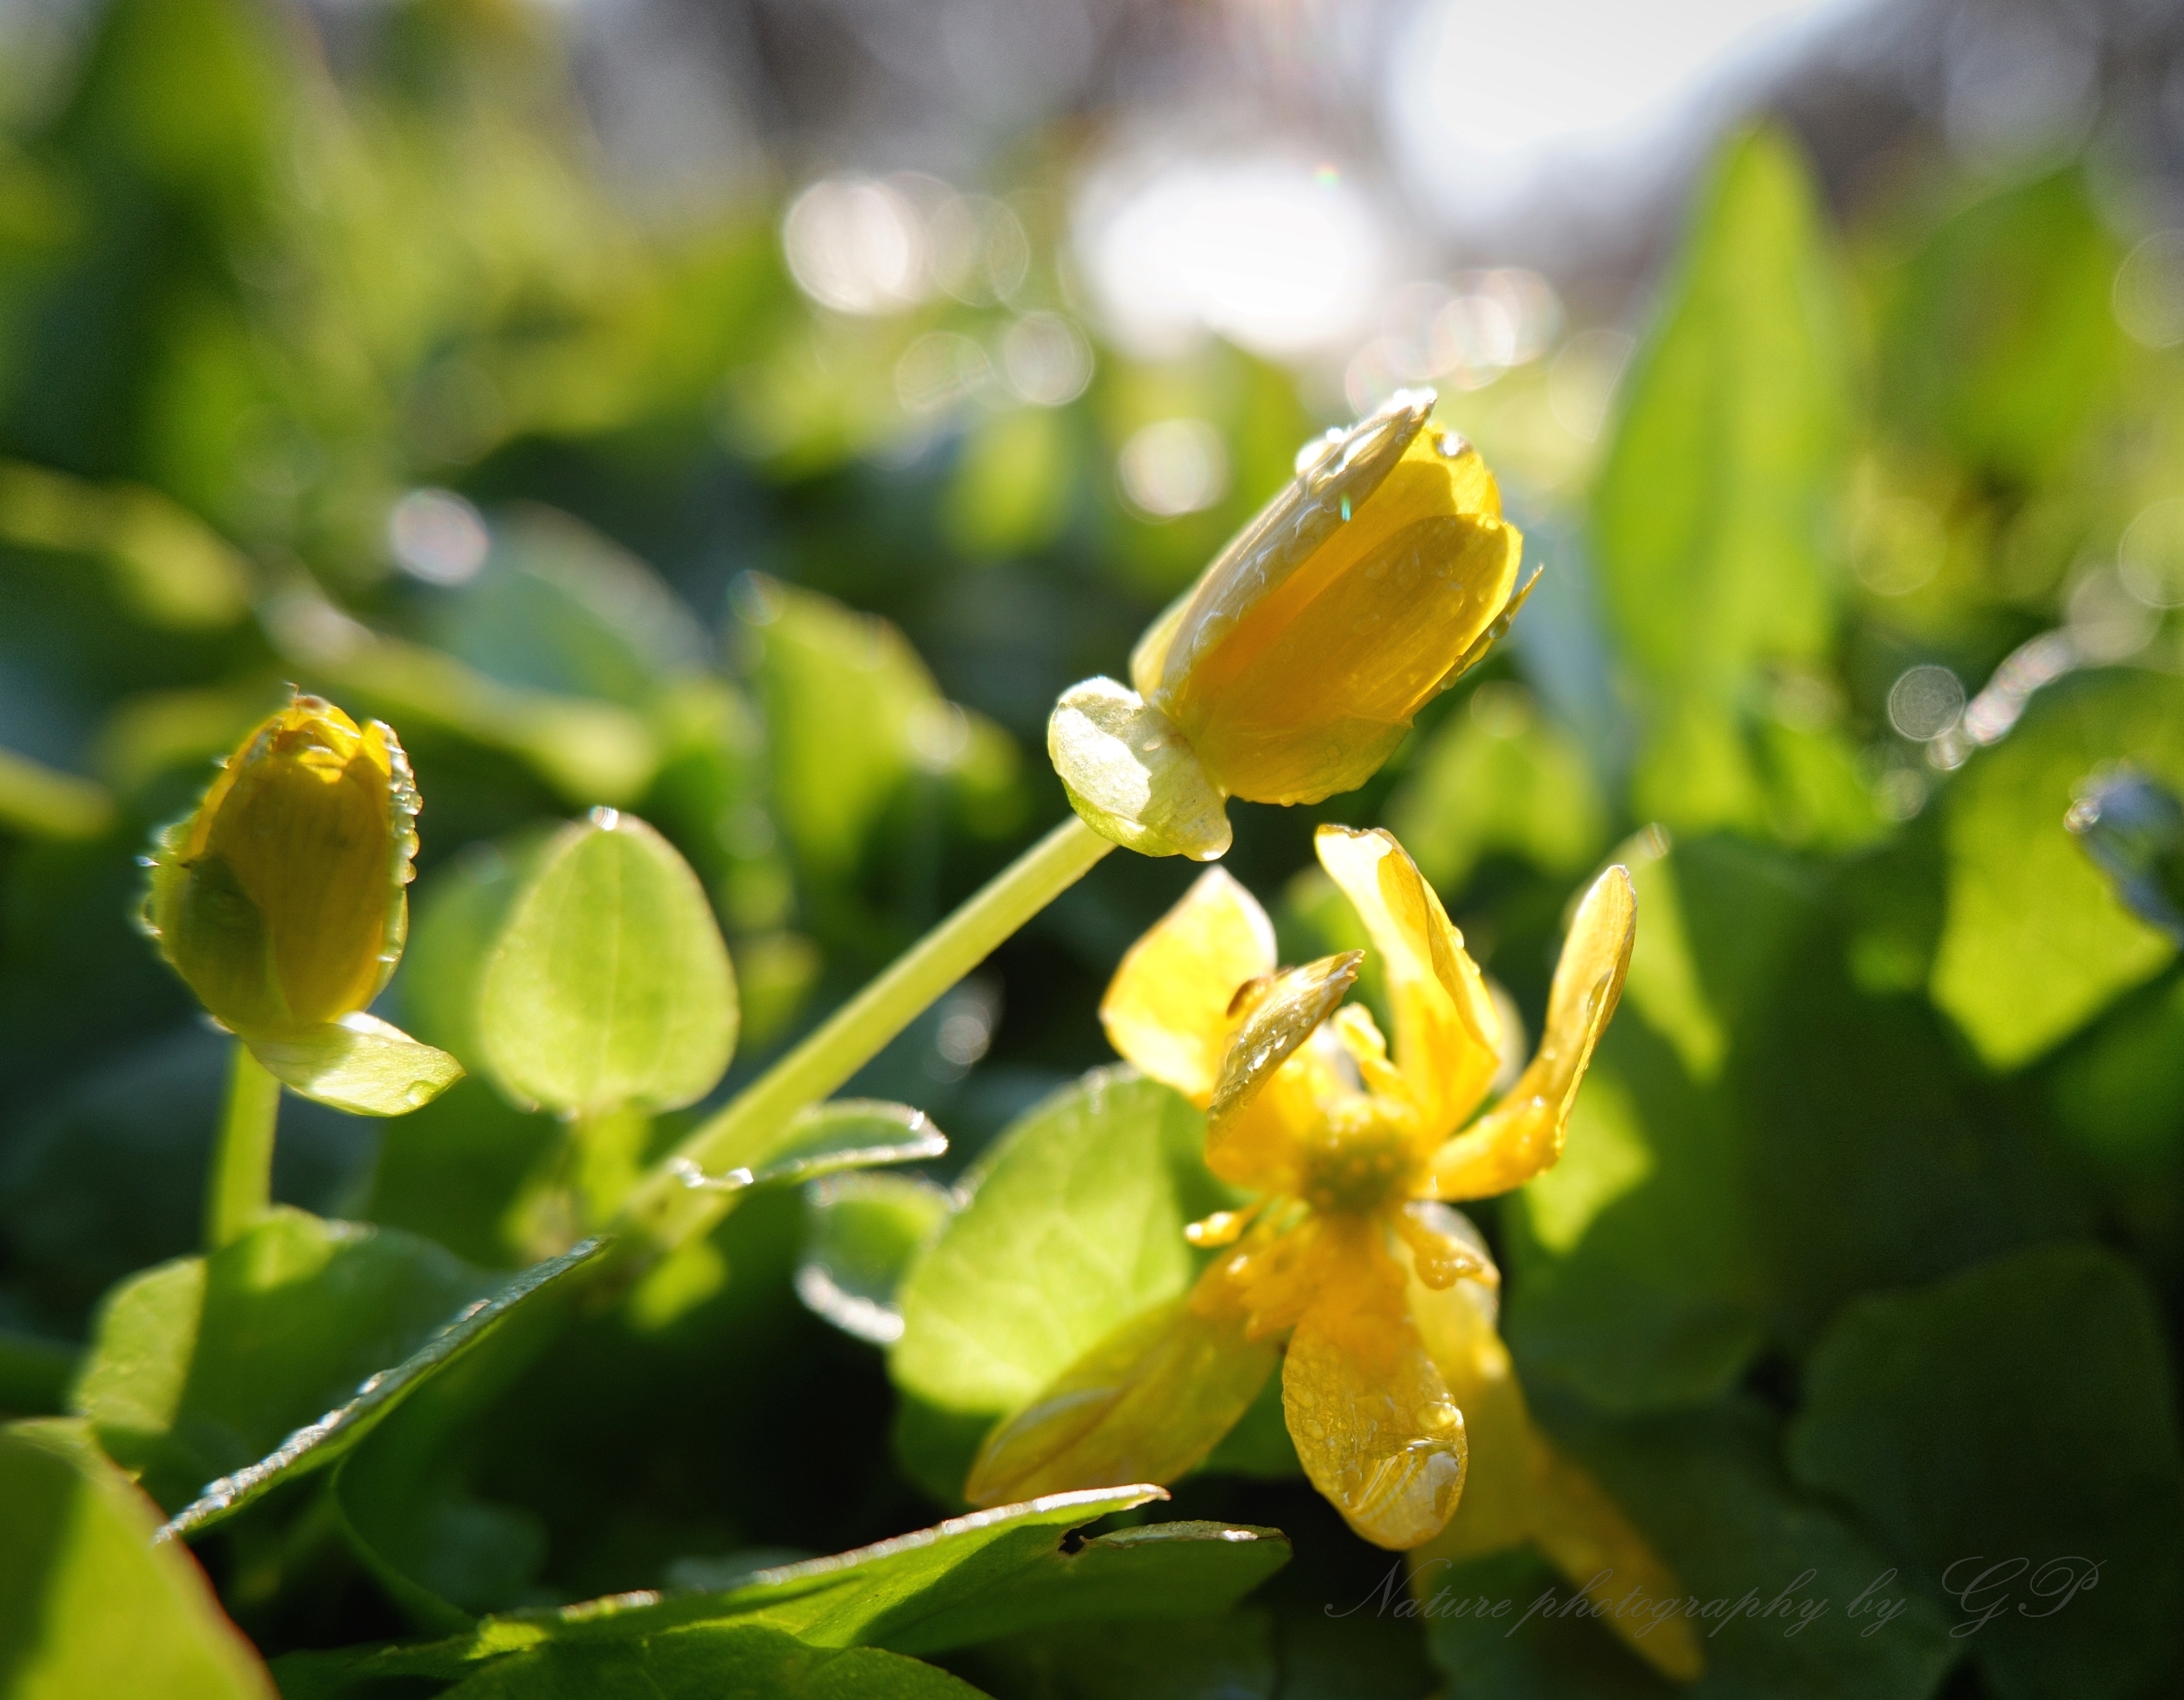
(1492,105)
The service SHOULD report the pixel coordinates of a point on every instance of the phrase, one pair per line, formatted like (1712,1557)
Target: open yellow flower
(1292,668)
(1395,1383)
(283,903)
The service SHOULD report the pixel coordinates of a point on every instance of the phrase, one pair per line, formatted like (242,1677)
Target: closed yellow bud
(282,902)
(1293,667)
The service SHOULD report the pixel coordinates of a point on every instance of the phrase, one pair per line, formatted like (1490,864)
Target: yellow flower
(282,902)
(1292,668)
(1395,1383)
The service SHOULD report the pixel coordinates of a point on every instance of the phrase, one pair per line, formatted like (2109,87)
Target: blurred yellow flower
(282,902)
(1395,1383)
(1293,667)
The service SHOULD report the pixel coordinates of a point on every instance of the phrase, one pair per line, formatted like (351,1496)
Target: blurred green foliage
(1867,1253)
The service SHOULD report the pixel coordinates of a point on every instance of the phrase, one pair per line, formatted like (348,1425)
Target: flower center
(1363,1155)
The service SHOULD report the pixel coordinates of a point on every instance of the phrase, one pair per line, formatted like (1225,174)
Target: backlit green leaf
(609,986)
(2035,940)
(89,1605)
(1075,1226)
(1711,515)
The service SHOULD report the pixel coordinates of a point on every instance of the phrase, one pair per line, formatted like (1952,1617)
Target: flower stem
(239,1191)
(745,1131)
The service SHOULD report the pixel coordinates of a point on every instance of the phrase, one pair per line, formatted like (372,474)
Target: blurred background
(754,412)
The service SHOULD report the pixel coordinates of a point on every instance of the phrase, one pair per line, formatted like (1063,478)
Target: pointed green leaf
(610,986)
(1712,513)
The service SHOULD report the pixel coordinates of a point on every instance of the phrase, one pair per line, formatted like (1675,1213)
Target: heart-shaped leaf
(609,987)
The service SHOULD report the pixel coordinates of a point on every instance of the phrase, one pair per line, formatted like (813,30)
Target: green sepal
(360,1064)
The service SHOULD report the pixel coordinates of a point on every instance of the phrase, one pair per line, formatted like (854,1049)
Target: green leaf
(1633,1276)
(89,1604)
(2020,1410)
(2120,1093)
(2035,941)
(1075,1226)
(1711,515)
(851,715)
(1232,1657)
(828,1139)
(46,803)
(861,1234)
(709,1661)
(1499,777)
(250,1361)
(1708,1491)
(971,1580)
(1875,1157)
(1996,335)
(401,1496)
(360,1064)
(609,987)
(559,609)
(1636,1278)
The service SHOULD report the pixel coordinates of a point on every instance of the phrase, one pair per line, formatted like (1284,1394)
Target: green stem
(751,1125)
(240,1189)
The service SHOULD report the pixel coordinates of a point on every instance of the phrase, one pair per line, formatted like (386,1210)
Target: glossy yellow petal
(1457,1325)
(1337,478)
(1145,1404)
(1374,1424)
(1520,1487)
(1168,1007)
(1260,1146)
(1448,1037)
(1288,1014)
(281,900)
(1523,1134)
(1444,1249)
(1587,1537)
(1314,684)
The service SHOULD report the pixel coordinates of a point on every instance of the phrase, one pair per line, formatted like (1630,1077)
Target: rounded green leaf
(610,986)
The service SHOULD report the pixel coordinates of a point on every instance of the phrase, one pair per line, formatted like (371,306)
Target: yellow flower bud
(282,900)
(1293,667)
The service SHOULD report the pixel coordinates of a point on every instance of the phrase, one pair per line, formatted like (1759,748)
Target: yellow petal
(1314,681)
(1337,477)
(1593,1545)
(1374,1424)
(1448,1037)
(1260,1147)
(1168,1008)
(1523,1134)
(1287,1015)
(1456,1325)
(1145,1404)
